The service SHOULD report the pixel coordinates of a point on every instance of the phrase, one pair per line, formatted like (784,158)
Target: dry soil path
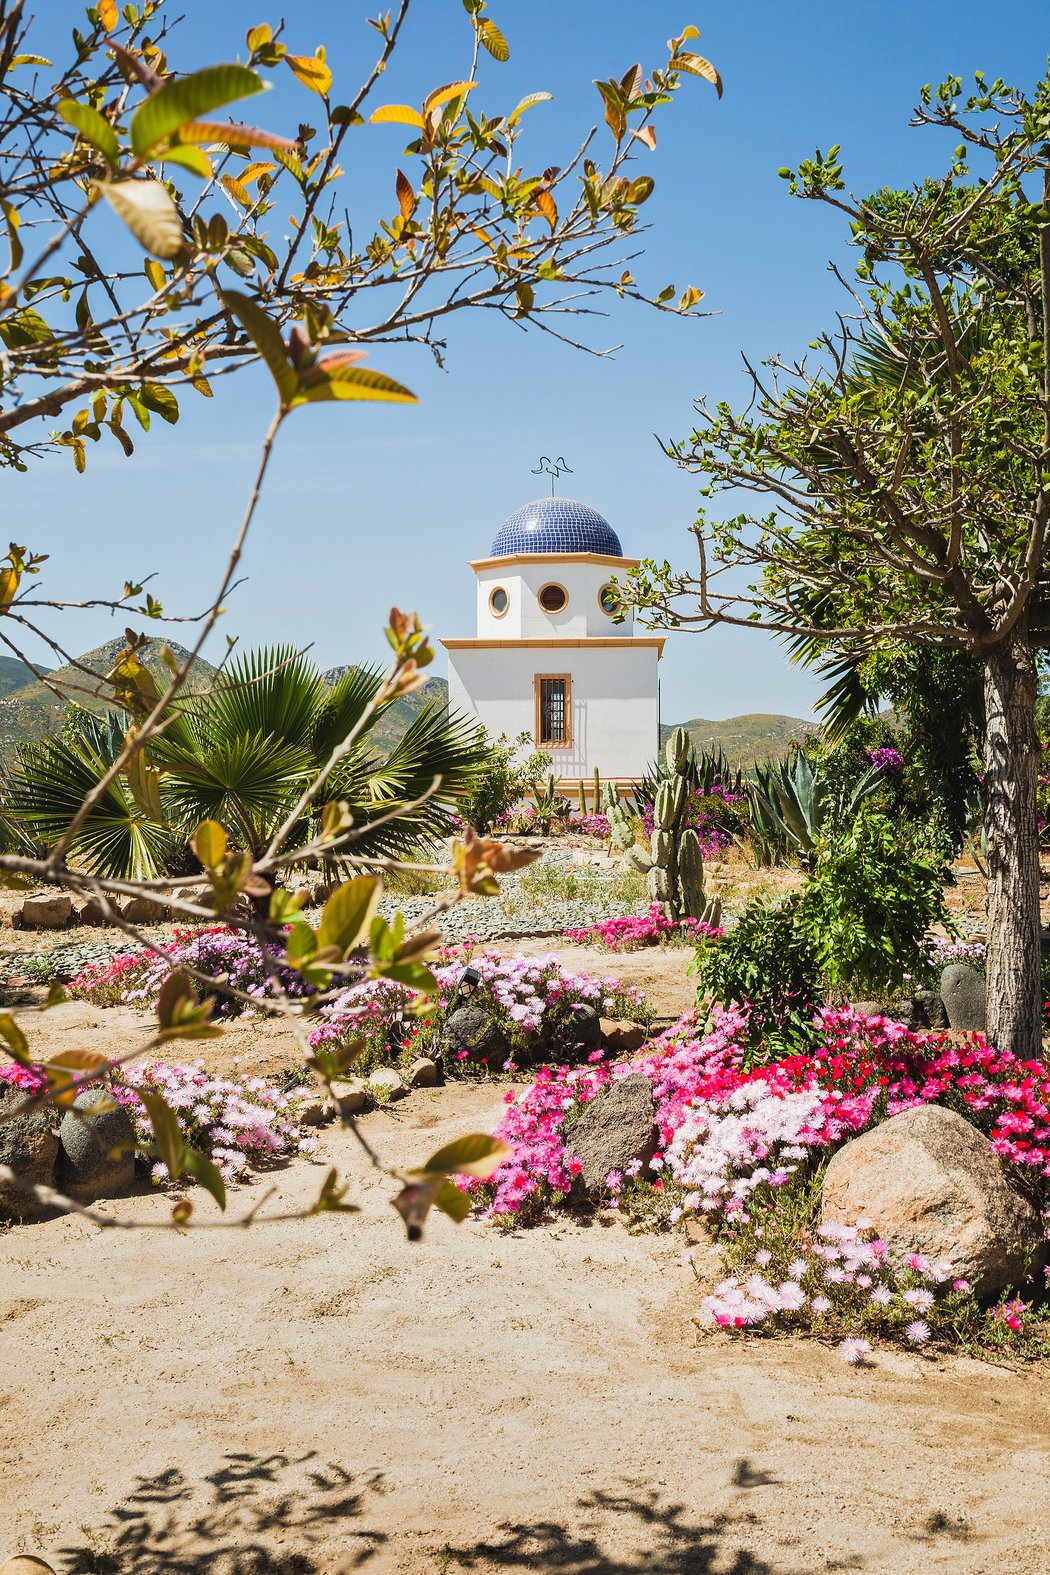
(318,1397)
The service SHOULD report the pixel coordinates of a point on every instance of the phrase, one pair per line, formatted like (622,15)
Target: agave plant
(793,804)
(243,754)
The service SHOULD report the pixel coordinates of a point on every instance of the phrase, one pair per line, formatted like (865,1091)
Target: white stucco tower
(548,659)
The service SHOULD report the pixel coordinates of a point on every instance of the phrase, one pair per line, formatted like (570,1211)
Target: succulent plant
(673,865)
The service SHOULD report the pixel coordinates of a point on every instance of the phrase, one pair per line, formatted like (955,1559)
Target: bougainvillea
(629,933)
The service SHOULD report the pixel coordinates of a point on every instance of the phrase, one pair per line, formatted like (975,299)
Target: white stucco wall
(615,700)
(525,619)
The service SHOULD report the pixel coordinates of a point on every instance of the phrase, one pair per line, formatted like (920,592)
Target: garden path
(318,1397)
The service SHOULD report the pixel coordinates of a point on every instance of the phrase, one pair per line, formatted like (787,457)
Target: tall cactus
(674,865)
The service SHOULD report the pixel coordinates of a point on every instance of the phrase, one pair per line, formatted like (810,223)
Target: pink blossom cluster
(591,826)
(227,956)
(240,1122)
(631,932)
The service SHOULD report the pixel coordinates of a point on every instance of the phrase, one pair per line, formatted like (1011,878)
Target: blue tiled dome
(556,525)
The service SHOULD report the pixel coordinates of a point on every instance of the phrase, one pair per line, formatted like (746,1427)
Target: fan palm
(242,754)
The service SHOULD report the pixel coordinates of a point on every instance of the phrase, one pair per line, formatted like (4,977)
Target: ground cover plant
(634,931)
(742,1149)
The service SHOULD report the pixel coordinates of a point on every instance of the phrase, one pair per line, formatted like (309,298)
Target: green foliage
(767,964)
(506,775)
(795,803)
(865,913)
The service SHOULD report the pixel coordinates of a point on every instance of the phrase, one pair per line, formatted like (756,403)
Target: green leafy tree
(905,460)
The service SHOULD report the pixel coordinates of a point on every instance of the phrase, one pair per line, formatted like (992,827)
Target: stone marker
(613,1129)
(965,997)
(97,1152)
(30,1147)
(50,911)
(931,1183)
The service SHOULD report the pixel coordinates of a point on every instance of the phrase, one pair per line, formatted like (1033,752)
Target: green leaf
(191,159)
(330,1198)
(171,1145)
(451,1201)
(149,213)
(413,975)
(161,399)
(93,127)
(348,382)
(697,66)
(527,102)
(348,913)
(15,1038)
(477,1155)
(185,99)
(266,338)
(204,1171)
(301,944)
(209,843)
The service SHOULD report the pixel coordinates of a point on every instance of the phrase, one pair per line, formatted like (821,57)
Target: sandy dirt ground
(317,1397)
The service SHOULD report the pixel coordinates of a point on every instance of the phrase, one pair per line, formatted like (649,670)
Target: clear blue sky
(372,505)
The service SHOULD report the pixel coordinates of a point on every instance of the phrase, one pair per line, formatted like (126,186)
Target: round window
(499,601)
(608,600)
(553,598)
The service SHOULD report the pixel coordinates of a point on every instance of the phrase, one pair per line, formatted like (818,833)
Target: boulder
(25,1564)
(613,1129)
(472,1029)
(903,1011)
(930,1009)
(145,910)
(89,911)
(423,1073)
(307,1108)
(352,1096)
(965,998)
(931,1183)
(97,1151)
(621,1036)
(572,1032)
(47,911)
(29,1145)
(384,1084)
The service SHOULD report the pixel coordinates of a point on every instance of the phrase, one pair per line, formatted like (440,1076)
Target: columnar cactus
(674,865)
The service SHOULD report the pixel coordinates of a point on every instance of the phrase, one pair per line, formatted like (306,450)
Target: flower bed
(744,1150)
(712,815)
(241,1123)
(522,994)
(596,826)
(229,956)
(631,933)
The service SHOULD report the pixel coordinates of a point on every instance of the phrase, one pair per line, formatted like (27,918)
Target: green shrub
(504,779)
(874,893)
(767,964)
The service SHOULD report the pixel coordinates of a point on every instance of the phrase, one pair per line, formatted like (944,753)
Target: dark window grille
(554,720)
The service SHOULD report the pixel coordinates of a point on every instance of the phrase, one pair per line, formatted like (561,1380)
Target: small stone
(869,1008)
(145,910)
(964,995)
(423,1073)
(385,1084)
(931,1183)
(90,912)
(97,1152)
(613,1129)
(308,1109)
(29,1146)
(352,1095)
(620,1035)
(472,1029)
(51,911)
(930,1008)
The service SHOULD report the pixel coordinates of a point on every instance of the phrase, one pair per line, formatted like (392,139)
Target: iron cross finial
(552,468)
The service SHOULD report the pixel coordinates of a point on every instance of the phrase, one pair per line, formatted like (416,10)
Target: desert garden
(415,1157)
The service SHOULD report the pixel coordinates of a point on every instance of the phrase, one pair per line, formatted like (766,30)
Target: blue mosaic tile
(556,525)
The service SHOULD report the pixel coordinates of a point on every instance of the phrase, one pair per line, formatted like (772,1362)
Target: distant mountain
(386,732)
(15,674)
(34,710)
(744,739)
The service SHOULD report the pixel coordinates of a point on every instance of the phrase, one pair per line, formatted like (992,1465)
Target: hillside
(34,710)
(744,739)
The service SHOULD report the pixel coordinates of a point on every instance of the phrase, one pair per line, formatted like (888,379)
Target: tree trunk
(1015,1004)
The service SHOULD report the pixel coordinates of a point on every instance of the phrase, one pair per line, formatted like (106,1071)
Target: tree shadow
(255,1515)
(666,1536)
